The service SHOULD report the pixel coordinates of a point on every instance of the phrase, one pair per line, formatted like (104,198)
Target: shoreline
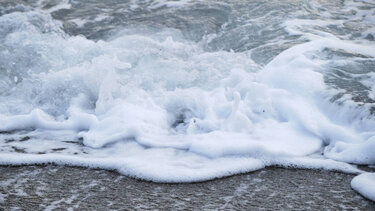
(50,186)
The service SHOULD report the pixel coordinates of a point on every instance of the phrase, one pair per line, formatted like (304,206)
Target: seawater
(183,91)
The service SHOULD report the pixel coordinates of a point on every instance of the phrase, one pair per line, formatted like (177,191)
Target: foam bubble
(365,185)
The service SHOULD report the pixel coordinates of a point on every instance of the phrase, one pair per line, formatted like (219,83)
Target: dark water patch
(71,142)
(24,138)
(18,150)
(98,20)
(9,140)
(58,149)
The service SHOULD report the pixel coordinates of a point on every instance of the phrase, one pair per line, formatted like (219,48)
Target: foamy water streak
(173,105)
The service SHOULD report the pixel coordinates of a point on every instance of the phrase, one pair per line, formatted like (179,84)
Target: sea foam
(159,107)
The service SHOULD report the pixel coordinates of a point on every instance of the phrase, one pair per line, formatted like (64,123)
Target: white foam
(365,185)
(155,106)
(187,168)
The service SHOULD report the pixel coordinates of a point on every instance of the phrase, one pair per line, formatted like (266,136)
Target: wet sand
(56,187)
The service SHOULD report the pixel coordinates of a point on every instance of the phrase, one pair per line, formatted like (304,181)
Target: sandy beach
(61,188)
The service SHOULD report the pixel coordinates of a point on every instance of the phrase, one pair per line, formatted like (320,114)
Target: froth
(158,107)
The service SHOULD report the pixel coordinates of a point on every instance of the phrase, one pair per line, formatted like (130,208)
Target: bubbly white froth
(365,185)
(159,107)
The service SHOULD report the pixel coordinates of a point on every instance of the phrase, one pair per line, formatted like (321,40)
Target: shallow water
(56,187)
(203,89)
